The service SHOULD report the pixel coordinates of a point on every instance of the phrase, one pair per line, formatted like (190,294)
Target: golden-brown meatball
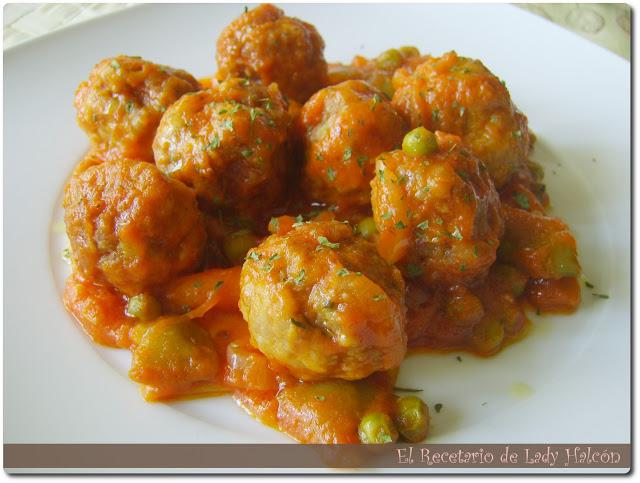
(377,71)
(229,143)
(461,96)
(344,127)
(265,44)
(321,302)
(121,104)
(131,226)
(438,215)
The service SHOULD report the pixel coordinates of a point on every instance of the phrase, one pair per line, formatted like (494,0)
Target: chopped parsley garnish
(115,65)
(319,157)
(227,125)
(423,225)
(456,233)
(438,407)
(246,152)
(129,106)
(253,255)
(522,200)
(343,272)
(253,113)
(600,295)
(462,109)
(406,389)
(378,297)
(320,397)
(435,115)
(517,134)
(462,174)
(197,284)
(324,241)
(463,267)
(381,174)
(347,154)
(400,225)
(459,359)
(218,284)
(331,174)
(298,324)
(299,278)
(439,221)
(475,251)
(214,144)
(386,215)
(588,285)
(299,219)
(376,100)
(414,270)
(361,160)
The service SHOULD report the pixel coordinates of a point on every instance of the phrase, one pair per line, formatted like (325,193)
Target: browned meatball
(121,104)
(321,302)
(229,143)
(439,215)
(265,44)
(344,127)
(131,226)
(461,96)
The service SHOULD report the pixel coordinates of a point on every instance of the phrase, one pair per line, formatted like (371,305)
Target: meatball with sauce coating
(321,302)
(229,143)
(265,44)
(344,127)
(131,226)
(120,105)
(437,211)
(461,96)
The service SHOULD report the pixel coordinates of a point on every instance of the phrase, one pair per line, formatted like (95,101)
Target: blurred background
(607,24)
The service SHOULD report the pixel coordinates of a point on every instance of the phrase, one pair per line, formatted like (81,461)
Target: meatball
(121,104)
(438,214)
(344,127)
(229,143)
(461,96)
(321,302)
(265,44)
(131,226)
(378,71)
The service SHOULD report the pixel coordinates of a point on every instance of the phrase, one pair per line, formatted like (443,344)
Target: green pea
(412,418)
(144,307)
(409,51)
(377,428)
(419,142)
(237,244)
(367,227)
(389,59)
(488,335)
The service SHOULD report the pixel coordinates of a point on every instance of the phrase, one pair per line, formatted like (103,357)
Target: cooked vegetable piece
(539,245)
(174,356)
(237,244)
(377,428)
(560,295)
(367,227)
(419,142)
(144,307)
(99,310)
(412,418)
(193,291)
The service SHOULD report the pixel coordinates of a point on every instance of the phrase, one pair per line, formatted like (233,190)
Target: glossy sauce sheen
(462,245)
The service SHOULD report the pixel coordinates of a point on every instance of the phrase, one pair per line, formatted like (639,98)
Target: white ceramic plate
(575,370)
